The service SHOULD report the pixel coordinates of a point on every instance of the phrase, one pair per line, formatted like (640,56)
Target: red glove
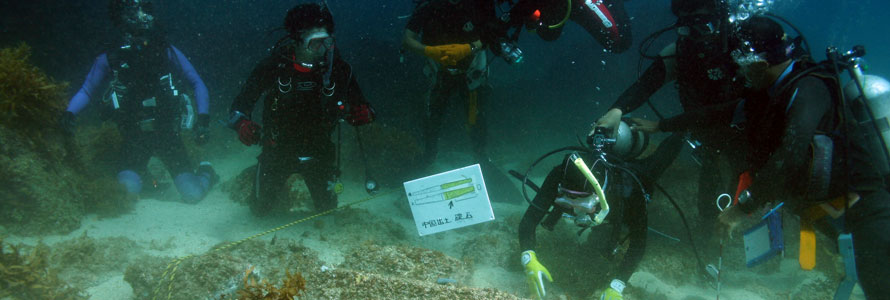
(360,114)
(248,132)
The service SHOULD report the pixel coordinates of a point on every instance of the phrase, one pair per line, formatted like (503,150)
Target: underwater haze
(68,231)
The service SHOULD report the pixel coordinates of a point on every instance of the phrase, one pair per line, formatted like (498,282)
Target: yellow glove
(614,291)
(534,274)
(449,54)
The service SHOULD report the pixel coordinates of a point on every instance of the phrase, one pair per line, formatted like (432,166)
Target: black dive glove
(202,131)
(66,123)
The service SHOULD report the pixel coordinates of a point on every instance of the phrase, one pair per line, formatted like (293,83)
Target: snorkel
(604,205)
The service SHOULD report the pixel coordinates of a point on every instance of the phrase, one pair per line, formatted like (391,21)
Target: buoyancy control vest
(143,90)
(825,151)
(301,111)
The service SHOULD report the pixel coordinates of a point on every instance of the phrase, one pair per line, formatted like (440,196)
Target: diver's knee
(189,187)
(131,181)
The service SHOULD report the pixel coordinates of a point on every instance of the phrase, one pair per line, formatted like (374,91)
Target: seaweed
(27,276)
(28,98)
(49,184)
(291,287)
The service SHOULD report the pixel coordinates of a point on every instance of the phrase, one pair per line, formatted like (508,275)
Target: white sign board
(449,200)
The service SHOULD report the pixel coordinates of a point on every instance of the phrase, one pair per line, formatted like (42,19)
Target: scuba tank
(872,111)
(629,144)
(868,97)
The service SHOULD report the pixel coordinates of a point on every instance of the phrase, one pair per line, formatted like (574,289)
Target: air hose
(564,19)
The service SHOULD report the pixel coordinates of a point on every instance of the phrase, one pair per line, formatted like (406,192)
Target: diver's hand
(534,274)
(609,120)
(644,125)
(248,132)
(731,218)
(614,291)
(448,54)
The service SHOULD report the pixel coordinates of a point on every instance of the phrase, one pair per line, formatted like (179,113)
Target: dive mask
(746,57)
(582,204)
(319,42)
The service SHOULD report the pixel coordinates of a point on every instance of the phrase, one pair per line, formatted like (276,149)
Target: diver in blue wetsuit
(143,100)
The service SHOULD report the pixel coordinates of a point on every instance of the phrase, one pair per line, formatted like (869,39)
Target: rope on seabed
(175,263)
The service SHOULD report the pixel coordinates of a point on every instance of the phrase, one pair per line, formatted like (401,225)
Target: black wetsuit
(616,37)
(704,78)
(630,205)
(298,120)
(780,124)
(442,23)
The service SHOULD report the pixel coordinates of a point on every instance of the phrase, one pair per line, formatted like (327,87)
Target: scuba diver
(447,32)
(308,89)
(703,72)
(605,20)
(808,149)
(143,100)
(572,191)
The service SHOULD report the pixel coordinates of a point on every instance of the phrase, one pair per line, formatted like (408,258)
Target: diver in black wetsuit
(448,34)
(791,113)
(566,190)
(702,70)
(308,90)
(605,20)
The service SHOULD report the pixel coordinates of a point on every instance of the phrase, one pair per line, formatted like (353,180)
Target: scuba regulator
(622,141)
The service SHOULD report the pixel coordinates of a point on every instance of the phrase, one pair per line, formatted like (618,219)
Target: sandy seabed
(170,229)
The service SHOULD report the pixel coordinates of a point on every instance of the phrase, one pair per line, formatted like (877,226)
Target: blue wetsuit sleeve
(91,85)
(202,95)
